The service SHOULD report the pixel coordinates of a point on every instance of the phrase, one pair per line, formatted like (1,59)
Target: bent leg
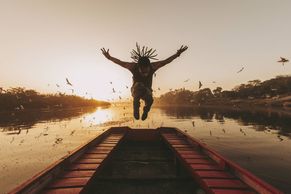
(148,103)
(136,105)
(137,91)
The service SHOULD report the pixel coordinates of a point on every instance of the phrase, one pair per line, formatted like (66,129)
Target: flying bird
(283,60)
(200,84)
(68,82)
(58,85)
(113,90)
(186,80)
(280,138)
(242,131)
(240,70)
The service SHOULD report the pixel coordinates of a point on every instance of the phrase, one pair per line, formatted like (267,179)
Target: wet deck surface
(141,168)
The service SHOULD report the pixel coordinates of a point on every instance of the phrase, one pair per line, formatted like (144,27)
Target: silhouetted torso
(138,77)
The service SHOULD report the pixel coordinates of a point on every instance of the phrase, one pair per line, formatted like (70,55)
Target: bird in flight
(200,84)
(186,80)
(58,85)
(241,70)
(283,60)
(68,82)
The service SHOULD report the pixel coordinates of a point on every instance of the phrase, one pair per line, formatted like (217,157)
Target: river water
(258,140)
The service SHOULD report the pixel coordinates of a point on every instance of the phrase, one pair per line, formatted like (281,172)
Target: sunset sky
(43,42)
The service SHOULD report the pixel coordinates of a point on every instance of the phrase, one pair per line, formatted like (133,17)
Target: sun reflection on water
(100,116)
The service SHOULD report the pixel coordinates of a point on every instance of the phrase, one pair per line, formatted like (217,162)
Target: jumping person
(143,70)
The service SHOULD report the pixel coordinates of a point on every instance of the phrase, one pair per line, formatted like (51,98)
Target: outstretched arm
(159,64)
(126,65)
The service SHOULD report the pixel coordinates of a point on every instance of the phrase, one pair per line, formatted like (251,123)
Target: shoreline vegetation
(20,99)
(273,93)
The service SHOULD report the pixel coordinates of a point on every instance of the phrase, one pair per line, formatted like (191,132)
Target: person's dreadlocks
(145,52)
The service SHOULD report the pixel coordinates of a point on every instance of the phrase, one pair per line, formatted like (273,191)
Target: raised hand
(105,52)
(181,50)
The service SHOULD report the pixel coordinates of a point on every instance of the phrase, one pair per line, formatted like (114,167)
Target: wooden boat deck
(142,167)
(141,161)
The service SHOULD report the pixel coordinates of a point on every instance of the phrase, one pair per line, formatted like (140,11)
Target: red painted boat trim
(176,136)
(51,173)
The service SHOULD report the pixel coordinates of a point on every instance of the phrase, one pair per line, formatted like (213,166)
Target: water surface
(257,140)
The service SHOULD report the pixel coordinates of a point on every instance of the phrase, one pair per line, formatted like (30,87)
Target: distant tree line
(20,98)
(255,89)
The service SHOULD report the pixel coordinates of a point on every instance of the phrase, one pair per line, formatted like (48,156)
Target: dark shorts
(139,90)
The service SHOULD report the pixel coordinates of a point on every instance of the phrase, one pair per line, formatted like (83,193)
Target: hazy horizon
(45,42)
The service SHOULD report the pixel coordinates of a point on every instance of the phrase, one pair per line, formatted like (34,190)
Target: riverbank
(19,99)
(282,103)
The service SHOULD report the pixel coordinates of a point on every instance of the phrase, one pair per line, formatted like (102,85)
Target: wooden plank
(198,161)
(106,145)
(231,191)
(166,136)
(175,139)
(192,156)
(69,182)
(98,152)
(63,191)
(102,148)
(114,137)
(185,149)
(204,167)
(225,183)
(214,174)
(78,173)
(83,167)
(188,152)
(177,142)
(89,161)
(94,156)
(171,136)
(111,141)
(182,146)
